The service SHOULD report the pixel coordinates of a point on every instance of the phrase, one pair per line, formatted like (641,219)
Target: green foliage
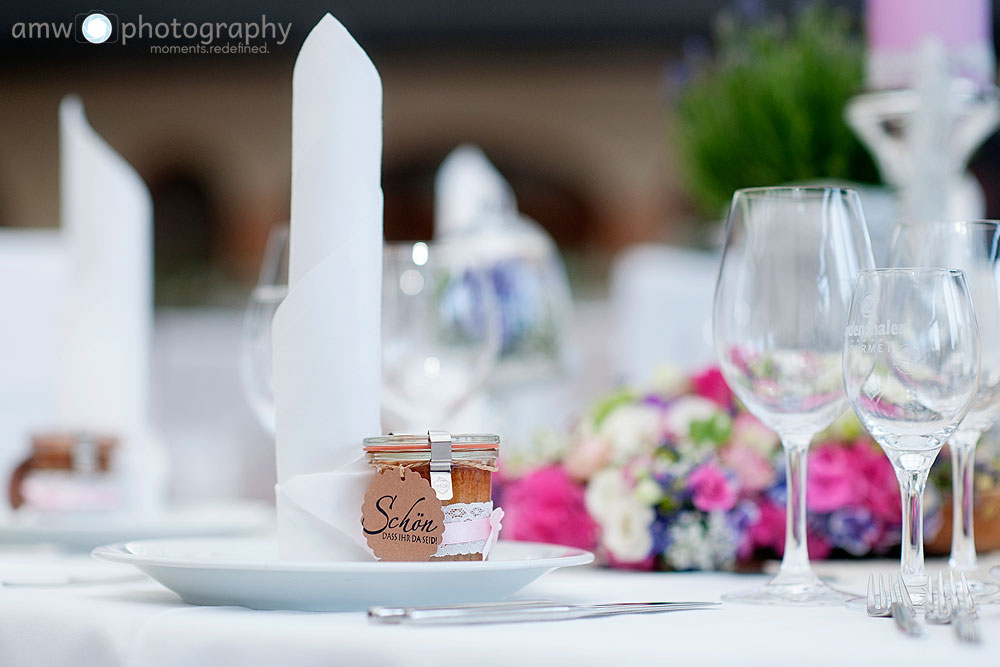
(769,109)
(608,405)
(715,430)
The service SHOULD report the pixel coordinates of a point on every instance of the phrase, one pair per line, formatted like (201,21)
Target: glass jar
(65,472)
(463,480)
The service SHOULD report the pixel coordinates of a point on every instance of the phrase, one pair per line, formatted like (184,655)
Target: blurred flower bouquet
(681,478)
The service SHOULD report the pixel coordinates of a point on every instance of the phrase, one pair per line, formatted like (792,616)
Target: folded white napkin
(105,335)
(469,190)
(326,333)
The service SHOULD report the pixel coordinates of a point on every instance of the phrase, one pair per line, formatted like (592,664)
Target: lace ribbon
(469,528)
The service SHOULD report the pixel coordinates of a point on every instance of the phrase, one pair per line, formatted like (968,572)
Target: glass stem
(963,466)
(911,565)
(795,561)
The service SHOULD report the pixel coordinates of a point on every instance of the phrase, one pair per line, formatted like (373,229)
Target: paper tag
(402,517)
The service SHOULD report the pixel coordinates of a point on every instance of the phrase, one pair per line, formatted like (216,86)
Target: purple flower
(854,529)
(660,530)
(742,518)
(655,400)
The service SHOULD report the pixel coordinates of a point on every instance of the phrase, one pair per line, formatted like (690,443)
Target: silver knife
(520,612)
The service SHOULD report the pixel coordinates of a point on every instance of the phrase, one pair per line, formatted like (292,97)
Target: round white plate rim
(121,552)
(173,522)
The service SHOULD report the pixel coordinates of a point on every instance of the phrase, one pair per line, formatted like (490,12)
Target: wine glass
(440,333)
(789,265)
(911,370)
(973,247)
(255,339)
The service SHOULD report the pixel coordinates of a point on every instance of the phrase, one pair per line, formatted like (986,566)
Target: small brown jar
(469,485)
(75,453)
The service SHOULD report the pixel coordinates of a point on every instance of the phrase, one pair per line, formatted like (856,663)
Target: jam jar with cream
(460,471)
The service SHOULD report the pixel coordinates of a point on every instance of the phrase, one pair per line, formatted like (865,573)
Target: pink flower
(831,479)
(818,547)
(753,471)
(587,457)
(712,489)
(769,533)
(711,385)
(647,564)
(769,530)
(750,432)
(548,506)
(877,488)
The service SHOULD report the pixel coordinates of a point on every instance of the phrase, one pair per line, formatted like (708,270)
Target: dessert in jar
(460,470)
(65,472)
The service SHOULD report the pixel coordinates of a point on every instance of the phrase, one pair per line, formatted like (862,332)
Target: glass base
(983,589)
(792,591)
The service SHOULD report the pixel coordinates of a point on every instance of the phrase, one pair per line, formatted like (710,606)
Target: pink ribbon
(466,531)
(473,531)
(495,518)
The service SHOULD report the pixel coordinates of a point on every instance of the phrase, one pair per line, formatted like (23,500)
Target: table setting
(783,491)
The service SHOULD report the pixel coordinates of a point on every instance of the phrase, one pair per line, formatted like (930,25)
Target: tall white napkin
(468,190)
(326,333)
(103,375)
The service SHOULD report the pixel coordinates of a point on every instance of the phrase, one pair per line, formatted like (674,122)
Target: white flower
(688,409)
(669,381)
(647,491)
(631,430)
(688,550)
(624,520)
(696,546)
(605,490)
(722,539)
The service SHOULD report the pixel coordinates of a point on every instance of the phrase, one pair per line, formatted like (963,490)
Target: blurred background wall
(570,99)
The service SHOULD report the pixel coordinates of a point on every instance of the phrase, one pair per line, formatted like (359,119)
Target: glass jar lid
(411,442)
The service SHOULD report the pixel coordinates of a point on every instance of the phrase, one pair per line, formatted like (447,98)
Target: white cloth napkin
(326,333)
(469,190)
(103,356)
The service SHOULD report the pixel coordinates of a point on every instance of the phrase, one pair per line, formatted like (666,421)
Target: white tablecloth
(141,623)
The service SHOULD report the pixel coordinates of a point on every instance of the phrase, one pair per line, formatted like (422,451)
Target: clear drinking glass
(788,269)
(973,247)
(255,339)
(440,332)
(911,370)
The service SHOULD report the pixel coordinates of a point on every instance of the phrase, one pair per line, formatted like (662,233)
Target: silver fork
(965,610)
(937,608)
(877,602)
(902,609)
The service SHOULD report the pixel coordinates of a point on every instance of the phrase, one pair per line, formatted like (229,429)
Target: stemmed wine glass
(911,370)
(255,339)
(440,333)
(973,247)
(791,257)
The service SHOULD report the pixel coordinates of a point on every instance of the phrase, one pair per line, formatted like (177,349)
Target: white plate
(248,573)
(83,532)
